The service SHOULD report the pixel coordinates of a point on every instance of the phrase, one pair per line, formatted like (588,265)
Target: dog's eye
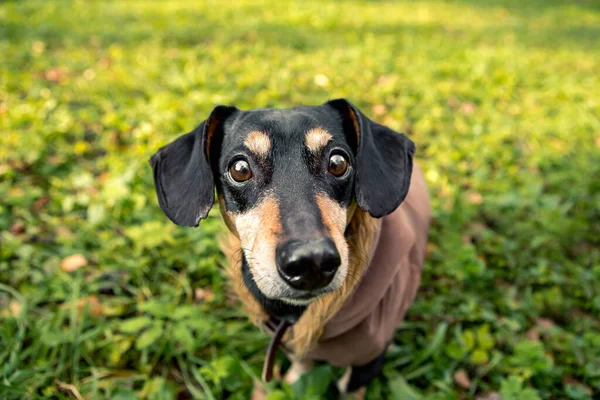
(338,165)
(240,171)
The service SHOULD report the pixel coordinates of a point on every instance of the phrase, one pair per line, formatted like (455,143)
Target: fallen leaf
(89,74)
(38,47)
(467,108)
(41,202)
(462,379)
(15,308)
(55,75)
(95,308)
(92,303)
(489,396)
(453,102)
(203,295)
(379,109)
(383,79)
(63,232)
(474,198)
(73,263)
(533,334)
(105,62)
(17,228)
(544,323)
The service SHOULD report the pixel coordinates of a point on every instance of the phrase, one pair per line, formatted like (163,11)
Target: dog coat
(363,327)
(365,324)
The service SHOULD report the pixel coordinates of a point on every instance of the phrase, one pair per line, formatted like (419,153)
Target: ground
(102,297)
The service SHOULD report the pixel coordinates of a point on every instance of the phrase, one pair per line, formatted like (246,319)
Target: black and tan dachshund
(328,220)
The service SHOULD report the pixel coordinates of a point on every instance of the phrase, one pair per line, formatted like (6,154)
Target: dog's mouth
(303,299)
(286,302)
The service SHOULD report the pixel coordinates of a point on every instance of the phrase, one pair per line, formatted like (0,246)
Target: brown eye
(337,165)
(240,171)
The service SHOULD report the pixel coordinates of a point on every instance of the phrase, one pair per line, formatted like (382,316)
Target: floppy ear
(183,176)
(384,160)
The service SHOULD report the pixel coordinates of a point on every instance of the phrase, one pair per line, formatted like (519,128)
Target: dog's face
(287,182)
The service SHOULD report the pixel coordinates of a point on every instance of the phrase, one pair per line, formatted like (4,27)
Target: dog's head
(287,182)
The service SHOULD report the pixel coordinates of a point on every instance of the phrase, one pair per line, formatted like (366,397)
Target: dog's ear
(384,160)
(183,176)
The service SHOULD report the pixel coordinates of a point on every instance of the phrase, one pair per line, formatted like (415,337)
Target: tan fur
(231,247)
(361,236)
(316,139)
(297,369)
(342,383)
(305,333)
(258,142)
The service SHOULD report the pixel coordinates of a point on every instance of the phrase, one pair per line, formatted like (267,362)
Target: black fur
(182,174)
(362,375)
(188,170)
(383,161)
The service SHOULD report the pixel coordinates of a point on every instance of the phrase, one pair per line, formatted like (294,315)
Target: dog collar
(278,329)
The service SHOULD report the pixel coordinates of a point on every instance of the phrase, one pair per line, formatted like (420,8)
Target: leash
(267,373)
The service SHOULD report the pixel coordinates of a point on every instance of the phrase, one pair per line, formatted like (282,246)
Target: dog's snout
(308,265)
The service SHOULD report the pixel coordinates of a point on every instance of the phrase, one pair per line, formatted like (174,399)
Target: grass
(502,99)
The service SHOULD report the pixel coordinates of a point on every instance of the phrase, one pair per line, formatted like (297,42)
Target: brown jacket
(365,324)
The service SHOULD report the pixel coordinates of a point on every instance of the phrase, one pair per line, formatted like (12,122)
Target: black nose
(308,265)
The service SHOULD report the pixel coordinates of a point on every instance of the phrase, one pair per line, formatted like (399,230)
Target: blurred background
(102,297)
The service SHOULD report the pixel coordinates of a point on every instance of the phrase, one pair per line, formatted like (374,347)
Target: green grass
(502,99)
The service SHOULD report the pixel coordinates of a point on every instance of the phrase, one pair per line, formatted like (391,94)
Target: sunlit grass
(501,98)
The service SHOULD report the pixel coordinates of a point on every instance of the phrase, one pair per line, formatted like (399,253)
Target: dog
(328,218)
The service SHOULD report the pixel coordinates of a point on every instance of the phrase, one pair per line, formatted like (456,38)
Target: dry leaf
(17,228)
(474,198)
(533,334)
(544,323)
(462,379)
(379,109)
(453,102)
(38,47)
(73,263)
(467,108)
(92,303)
(40,202)
(15,308)
(55,75)
(203,295)
(63,232)
(489,396)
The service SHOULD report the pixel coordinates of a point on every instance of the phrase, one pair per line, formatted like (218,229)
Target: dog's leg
(352,385)
(297,369)
(342,385)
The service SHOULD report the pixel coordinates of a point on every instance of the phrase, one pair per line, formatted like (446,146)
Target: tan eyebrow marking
(258,142)
(316,139)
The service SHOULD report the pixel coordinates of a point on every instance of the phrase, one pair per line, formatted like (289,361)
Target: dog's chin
(268,286)
(289,295)
(300,301)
